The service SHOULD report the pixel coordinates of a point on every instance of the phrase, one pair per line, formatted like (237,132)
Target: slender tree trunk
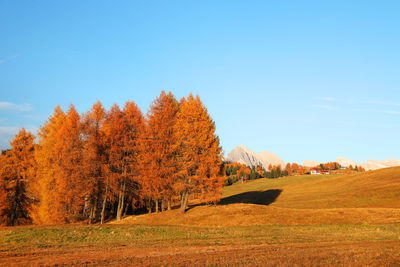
(149,206)
(169,203)
(87,204)
(182,196)
(14,204)
(126,208)
(123,197)
(90,215)
(157,205)
(104,203)
(94,209)
(185,200)
(121,202)
(162,204)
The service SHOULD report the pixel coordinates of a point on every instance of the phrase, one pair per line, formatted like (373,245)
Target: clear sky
(303,79)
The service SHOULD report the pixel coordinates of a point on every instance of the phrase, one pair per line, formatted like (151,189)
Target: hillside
(373,189)
(370,164)
(371,197)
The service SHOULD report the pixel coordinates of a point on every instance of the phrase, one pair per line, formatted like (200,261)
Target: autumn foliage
(17,174)
(103,164)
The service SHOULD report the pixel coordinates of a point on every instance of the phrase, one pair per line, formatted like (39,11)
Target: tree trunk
(126,208)
(118,206)
(94,209)
(149,206)
(90,215)
(86,207)
(182,198)
(121,198)
(169,203)
(104,203)
(14,204)
(156,205)
(185,201)
(162,205)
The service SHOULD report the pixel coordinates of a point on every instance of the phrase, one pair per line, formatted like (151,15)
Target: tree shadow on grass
(253,197)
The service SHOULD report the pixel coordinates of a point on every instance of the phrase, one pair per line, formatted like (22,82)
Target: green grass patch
(31,238)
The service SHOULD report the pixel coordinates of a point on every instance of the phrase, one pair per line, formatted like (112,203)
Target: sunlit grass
(27,238)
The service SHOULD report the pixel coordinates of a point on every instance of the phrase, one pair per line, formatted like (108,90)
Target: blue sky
(303,79)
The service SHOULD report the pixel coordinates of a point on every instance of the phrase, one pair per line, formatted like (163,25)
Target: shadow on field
(254,197)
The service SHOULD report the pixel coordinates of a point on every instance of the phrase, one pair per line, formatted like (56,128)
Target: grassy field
(183,245)
(297,221)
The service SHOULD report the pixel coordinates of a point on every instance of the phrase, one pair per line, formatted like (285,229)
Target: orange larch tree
(17,173)
(199,152)
(134,120)
(70,169)
(115,151)
(123,130)
(158,162)
(94,158)
(288,168)
(43,210)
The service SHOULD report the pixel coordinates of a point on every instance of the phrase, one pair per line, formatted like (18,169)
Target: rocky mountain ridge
(244,155)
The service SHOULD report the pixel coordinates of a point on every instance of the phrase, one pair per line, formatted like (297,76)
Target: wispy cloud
(357,105)
(326,98)
(8,106)
(35,117)
(380,103)
(393,112)
(321,106)
(357,101)
(8,132)
(8,58)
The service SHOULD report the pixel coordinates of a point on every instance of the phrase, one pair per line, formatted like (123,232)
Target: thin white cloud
(8,132)
(358,101)
(393,112)
(5,59)
(322,106)
(35,117)
(326,98)
(357,105)
(8,106)
(381,103)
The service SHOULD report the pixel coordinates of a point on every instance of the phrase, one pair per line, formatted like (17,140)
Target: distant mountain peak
(243,154)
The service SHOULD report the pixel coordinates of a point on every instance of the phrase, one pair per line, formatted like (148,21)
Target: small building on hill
(318,171)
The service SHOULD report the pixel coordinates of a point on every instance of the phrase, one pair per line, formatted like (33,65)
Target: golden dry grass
(379,189)
(371,197)
(364,253)
(251,214)
(301,245)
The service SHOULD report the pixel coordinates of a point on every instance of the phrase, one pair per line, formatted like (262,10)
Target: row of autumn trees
(103,164)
